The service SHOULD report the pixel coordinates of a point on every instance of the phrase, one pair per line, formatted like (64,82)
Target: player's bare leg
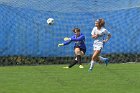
(94,59)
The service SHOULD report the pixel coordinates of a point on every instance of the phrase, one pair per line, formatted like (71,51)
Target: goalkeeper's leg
(79,59)
(73,63)
(76,60)
(79,54)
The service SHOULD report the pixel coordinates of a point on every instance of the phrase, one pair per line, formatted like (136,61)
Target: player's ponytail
(101,22)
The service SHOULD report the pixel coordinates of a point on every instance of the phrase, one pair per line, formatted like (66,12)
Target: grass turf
(116,78)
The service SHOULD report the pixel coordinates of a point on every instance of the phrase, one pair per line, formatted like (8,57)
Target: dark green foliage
(20,60)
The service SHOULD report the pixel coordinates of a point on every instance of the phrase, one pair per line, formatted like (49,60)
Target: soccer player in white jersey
(100,36)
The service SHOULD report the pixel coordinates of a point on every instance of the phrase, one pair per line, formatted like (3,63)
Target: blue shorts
(81,49)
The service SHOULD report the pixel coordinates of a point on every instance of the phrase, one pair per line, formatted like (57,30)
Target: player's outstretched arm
(78,39)
(74,39)
(63,44)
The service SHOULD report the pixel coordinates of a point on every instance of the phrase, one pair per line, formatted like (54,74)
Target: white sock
(92,64)
(76,58)
(102,59)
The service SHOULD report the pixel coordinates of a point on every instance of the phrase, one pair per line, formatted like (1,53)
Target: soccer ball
(50,21)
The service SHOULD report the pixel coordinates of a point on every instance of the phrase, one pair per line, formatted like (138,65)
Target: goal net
(25,33)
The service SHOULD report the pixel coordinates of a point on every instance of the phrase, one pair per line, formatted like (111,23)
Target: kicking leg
(79,56)
(105,60)
(73,63)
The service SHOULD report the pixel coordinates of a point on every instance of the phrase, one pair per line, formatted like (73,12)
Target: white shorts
(97,47)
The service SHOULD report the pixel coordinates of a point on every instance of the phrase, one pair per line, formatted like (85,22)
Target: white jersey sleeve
(106,32)
(93,31)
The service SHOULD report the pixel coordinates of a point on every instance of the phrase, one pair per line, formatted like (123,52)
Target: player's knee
(78,52)
(94,58)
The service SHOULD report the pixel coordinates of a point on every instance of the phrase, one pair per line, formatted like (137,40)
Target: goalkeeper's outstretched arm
(65,43)
(78,38)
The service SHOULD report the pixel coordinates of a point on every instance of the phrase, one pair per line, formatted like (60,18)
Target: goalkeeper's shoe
(65,67)
(81,66)
(106,61)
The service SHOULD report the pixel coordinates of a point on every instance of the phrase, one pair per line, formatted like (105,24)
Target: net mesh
(25,32)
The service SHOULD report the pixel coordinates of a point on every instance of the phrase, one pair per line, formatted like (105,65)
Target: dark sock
(79,59)
(72,64)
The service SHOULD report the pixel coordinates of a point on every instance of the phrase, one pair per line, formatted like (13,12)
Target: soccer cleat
(106,61)
(81,66)
(65,67)
(90,70)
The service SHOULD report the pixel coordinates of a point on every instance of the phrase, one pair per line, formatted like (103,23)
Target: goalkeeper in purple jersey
(79,47)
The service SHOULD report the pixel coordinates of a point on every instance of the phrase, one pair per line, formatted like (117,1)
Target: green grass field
(116,78)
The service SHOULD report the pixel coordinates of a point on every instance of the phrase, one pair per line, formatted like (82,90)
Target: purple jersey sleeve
(67,42)
(80,38)
(79,41)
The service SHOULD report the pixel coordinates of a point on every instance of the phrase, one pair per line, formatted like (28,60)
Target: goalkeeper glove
(67,39)
(59,45)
